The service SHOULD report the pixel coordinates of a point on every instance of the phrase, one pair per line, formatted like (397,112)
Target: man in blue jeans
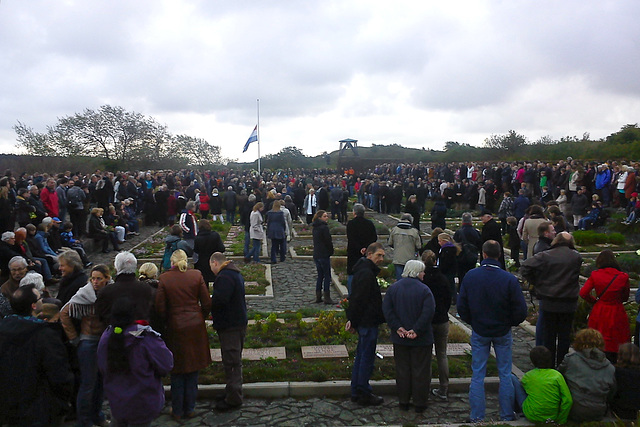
(491,301)
(364,315)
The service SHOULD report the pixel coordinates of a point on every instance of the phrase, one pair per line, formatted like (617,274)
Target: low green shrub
(591,237)
(629,262)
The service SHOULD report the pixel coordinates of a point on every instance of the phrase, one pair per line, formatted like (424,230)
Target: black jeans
(557,333)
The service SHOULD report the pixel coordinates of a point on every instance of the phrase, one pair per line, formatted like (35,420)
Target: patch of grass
(254,273)
(293,334)
(457,334)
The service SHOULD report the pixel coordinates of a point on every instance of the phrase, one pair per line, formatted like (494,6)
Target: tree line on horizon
(114,138)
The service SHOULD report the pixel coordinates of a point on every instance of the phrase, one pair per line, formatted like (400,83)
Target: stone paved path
(294,287)
(327,412)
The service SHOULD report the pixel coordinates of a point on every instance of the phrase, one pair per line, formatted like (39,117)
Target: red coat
(204,202)
(50,201)
(608,315)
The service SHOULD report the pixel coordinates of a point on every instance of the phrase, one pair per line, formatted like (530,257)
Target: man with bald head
(555,274)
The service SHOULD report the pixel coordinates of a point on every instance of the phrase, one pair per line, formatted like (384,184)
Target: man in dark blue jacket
(491,301)
(229,315)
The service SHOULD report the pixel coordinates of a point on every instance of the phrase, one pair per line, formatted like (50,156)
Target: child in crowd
(633,210)
(514,240)
(543,394)
(626,402)
(70,242)
(132,358)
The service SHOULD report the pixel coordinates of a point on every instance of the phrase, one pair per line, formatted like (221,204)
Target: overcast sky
(416,73)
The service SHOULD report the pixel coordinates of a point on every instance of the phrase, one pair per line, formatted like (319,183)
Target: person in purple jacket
(132,359)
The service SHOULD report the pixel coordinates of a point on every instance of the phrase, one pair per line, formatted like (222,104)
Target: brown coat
(183,301)
(89,325)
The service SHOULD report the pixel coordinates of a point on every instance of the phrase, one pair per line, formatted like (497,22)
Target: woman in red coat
(204,204)
(611,288)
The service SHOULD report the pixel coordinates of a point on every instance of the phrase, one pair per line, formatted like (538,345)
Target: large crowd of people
(116,337)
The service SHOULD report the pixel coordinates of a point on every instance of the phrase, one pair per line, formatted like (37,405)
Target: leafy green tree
(197,151)
(512,141)
(118,136)
(626,135)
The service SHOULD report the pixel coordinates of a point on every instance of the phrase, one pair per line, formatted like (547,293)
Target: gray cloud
(407,72)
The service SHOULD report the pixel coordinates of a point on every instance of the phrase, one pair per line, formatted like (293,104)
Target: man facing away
(34,367)
(229,314)
(491,301)
(364,315)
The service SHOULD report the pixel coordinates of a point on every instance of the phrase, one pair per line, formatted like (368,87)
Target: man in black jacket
(491,231)
(360,234)
(34,367)
(229,315)
(364,315)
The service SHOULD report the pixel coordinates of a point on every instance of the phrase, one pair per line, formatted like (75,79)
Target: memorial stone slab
(385,350)
(254,353)
(456,349)
(324,351)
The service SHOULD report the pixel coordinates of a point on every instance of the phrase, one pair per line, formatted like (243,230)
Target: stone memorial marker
(324,351)
(385,350)
(254,353)
(264,353)
(216,355)
(456,349)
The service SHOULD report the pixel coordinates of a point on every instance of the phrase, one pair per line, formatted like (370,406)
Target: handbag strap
(605,289)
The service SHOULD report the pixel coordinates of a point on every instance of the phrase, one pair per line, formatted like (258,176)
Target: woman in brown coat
(183,301)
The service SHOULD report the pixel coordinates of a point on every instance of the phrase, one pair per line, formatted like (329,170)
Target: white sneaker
(441,396)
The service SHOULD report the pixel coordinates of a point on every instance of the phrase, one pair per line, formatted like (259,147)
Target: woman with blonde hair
(256,231)
(80,309)
(589,375)
(183,301)
(276,231)
(448,261)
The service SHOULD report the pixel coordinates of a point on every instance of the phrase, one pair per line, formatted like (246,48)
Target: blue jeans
(480,347)
(399,268)
(90,394)
(231,216)
(323,283)
(184,388)
(539,327)
(255,250)
(278,247)
(363,363)
(247,241)
(519,393)
(349,281)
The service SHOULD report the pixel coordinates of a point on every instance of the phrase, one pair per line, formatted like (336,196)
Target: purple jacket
(136,397)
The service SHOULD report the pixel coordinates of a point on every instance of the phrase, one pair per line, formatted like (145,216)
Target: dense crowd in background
(47,222)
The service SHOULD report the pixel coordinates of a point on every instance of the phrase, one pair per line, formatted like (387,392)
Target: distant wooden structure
(348,143)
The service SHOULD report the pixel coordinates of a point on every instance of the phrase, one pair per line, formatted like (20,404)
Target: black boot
(327,298)
(318,297)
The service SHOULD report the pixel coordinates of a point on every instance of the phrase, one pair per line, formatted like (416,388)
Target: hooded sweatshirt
(591,379)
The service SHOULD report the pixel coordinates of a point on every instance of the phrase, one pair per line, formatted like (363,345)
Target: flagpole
(258,106)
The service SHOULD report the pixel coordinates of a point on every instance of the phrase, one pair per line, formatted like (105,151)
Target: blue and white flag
(253,137)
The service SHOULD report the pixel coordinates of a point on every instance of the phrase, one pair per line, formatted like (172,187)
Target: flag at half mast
(252,138)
